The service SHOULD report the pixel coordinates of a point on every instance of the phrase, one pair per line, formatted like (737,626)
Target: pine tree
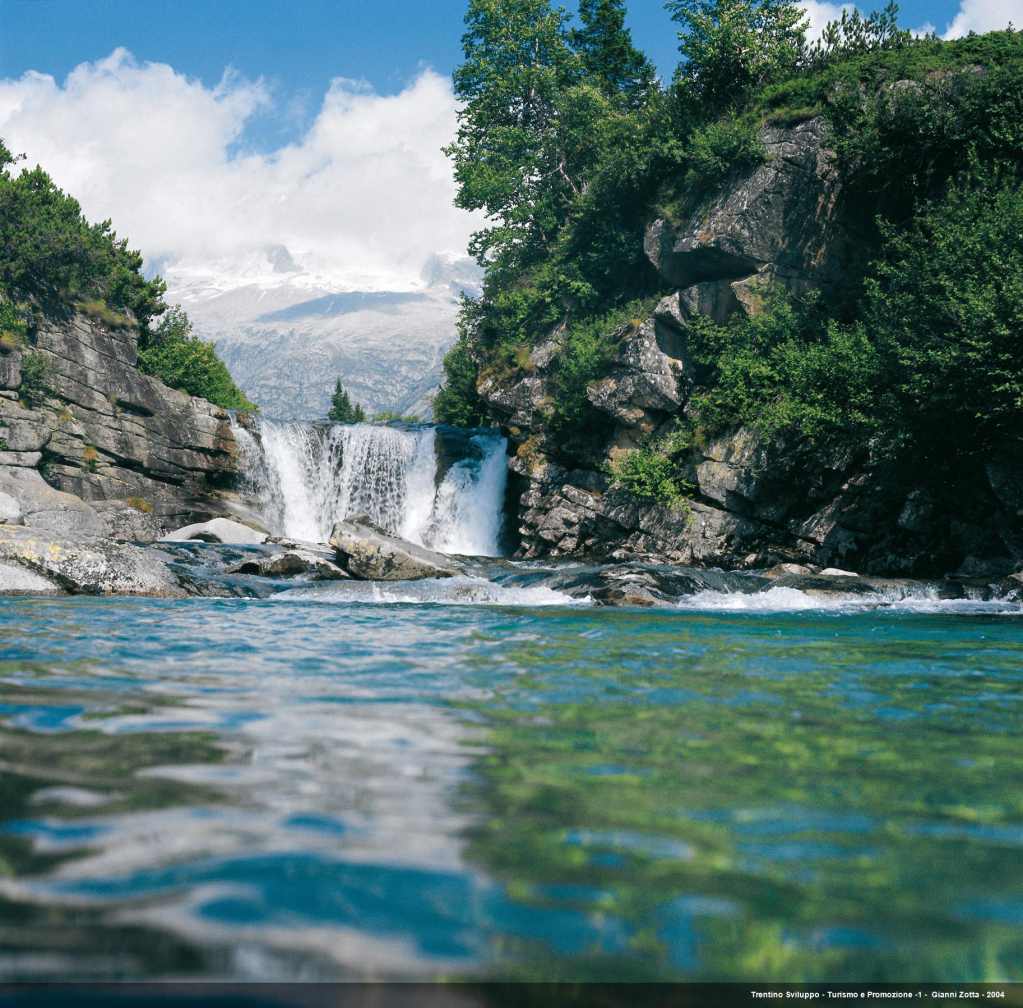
(610,61)
(342,410)
(512,155)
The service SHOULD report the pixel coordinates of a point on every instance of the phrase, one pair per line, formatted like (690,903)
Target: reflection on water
(286,789)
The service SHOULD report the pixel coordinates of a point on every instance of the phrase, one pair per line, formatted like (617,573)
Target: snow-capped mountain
(287,331)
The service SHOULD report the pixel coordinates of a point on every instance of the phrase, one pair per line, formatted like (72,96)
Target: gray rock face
(218,530)
(650,376)
(18,580)
(104,431)
(92,568)
(126,522)
(370,553)
(783,222)
(787,223)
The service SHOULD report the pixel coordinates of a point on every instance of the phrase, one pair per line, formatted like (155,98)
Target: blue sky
(208,129)
(300,44)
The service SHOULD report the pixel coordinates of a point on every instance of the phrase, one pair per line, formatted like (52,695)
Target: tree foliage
(172,353)
(609,59)
(342,409)
(48,250)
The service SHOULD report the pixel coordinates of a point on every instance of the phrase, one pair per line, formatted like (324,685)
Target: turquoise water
(297,789)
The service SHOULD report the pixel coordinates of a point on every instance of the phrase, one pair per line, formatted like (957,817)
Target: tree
(609,59)
(512,156)
(50,251)
(172,353)
(342,409)
(853,34)
(458,402)
(732,47)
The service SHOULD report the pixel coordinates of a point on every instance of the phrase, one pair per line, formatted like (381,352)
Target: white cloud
(974,15)
(984,16)
(819,14)
(366,191)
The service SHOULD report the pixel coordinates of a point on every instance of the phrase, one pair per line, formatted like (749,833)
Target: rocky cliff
(92,447)
(789,224)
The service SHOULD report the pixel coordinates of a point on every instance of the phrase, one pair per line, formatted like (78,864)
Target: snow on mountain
(287,330)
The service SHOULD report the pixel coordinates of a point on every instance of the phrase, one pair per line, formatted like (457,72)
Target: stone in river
(371,553)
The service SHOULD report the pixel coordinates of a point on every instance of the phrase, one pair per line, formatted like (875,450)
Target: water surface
(300,789)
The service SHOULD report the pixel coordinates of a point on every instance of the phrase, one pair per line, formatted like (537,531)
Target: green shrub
(653,471)
(172,353)
(36,377)
(457,402)
(388,415)
(584,356)
(50,251)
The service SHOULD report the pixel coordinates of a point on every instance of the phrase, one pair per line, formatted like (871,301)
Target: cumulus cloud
(365,192)
(974,15)
(984,16)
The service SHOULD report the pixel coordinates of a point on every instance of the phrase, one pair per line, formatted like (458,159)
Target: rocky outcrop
(92,425)
(786,223)
(371,553)
(96,567)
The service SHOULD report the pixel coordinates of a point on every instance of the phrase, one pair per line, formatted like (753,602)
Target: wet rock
(825,586)
(645,585)
(780,570)
(127,523)
(838,572)
(89,568)
(370,553)
(18,580)
(217,530)
(291,563)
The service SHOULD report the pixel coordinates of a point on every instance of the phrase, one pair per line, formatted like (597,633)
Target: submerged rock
(827,586)
(371,553)
(218,530)
(88,568)
(642,585)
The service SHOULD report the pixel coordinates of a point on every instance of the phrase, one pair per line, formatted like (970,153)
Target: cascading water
(306,476)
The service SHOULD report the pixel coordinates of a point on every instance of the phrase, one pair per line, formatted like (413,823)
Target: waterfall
(306,476)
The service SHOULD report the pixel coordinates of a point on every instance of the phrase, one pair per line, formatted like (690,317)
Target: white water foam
(783,599)
(308,476)
(462,589)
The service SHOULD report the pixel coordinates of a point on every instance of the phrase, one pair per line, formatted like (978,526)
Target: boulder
(10,510)
(838,572)
(371,553)
(89,568)
(42,507)
(780,570)
(291,563)
(126,522)
(827,586)
(218,530)
(18,580)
